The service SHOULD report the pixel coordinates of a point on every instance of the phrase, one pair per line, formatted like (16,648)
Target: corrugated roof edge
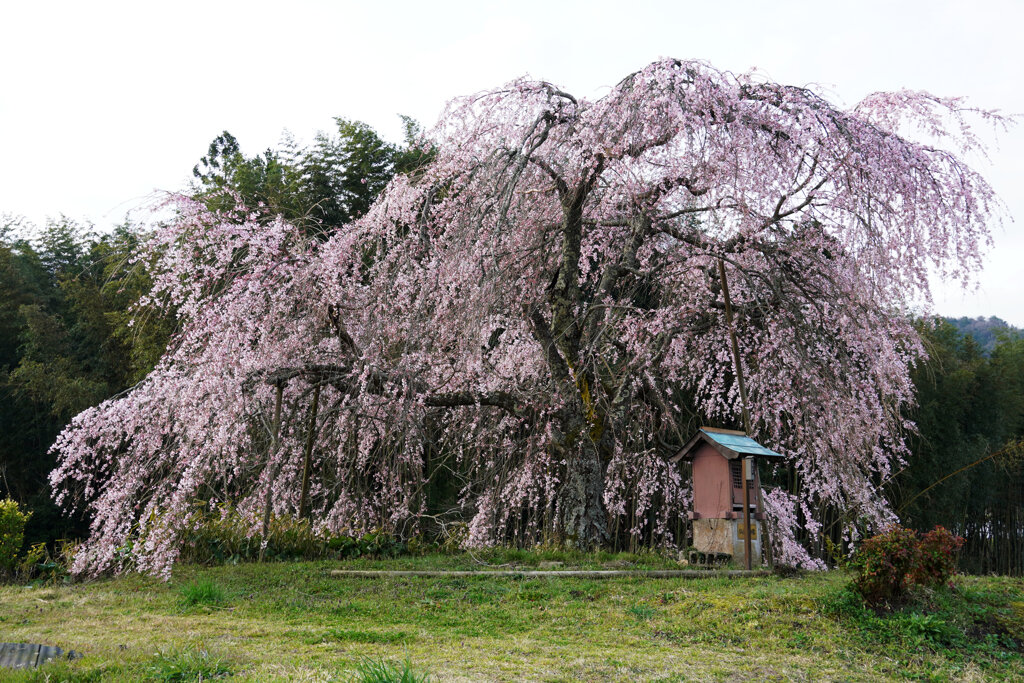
(705,434)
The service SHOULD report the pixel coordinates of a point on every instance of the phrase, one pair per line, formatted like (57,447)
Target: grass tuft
(642,612)
(191,664)
(202,592)
(381,671)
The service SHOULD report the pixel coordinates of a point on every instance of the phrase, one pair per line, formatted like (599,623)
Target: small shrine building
(717,457)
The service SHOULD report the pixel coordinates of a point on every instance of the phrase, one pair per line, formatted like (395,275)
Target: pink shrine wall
(712,484)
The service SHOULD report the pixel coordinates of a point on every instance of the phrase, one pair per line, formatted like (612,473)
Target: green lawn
(294,621)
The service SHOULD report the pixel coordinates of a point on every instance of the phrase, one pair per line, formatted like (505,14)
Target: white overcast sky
(103,103)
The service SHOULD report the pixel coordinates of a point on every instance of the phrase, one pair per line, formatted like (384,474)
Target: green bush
(224,535)
(374,543)
(890,564)
(12,534)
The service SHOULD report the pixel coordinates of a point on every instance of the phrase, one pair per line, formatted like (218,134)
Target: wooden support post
(275,435)
(746,477)
(307,455)
(766,536)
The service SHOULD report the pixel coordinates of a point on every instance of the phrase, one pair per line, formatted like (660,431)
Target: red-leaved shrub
(936,557)
(890,563)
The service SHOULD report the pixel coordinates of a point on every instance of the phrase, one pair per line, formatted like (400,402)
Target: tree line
(966,470)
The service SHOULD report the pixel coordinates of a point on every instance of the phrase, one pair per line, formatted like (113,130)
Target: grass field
(294,621)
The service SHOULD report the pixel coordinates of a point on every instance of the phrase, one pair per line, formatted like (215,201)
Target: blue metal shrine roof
(740,443)
(727,442)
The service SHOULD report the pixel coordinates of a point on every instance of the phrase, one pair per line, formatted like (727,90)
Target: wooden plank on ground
(26,655)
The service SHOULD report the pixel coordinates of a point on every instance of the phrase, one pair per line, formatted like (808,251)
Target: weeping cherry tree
(542,308)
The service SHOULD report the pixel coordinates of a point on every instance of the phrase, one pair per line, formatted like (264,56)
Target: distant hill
(985,331)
